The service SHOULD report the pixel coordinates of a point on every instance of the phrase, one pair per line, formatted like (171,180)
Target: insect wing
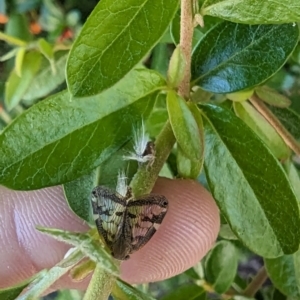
(145,216)
(108,210)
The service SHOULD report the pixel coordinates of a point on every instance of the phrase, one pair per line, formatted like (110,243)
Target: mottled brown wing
(145,216)
(108,210)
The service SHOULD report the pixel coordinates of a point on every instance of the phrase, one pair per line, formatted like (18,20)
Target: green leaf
(176,67)
(175,28)
(18,27)
(233,57)
(96,62)
(58,140)
(47,277)
(124,291)
(221,266)
(48,52)
(184,126)
(110,168)
(296,55)
(277,295)
(293,176)
(160,58)
(46,49)
(16,86)
(289,119)
(187,168)
(45,81)
(78,195)
(284,272)
(272,97)
(83,242)
(82,270)
(13,292)
(158,117)
(11,40)
(69,295)
(263,129)
(249,185)
(186,292)
(19,60)
(226,232)
(253,11)
(201,96)
(175,31)
(240,96)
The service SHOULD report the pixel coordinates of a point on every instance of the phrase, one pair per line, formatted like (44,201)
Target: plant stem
(256,283)
(100,285)
(144,180)
(186,37)
(271,118)
(5,117)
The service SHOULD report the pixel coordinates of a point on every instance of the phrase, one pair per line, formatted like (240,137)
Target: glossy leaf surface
(233,57)
(249,185)
(184,126)
(17,86)
(115,37)
(253,11)
(59,140)
(124,291)
(221,266)
(263,129)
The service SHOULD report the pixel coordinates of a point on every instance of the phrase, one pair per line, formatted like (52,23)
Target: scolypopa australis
(144,148)
(126,224)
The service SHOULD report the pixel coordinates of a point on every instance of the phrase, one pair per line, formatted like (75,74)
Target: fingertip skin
(188,231)
(24,250)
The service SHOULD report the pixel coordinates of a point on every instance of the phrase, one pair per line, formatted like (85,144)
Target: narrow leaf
(96,62)
(46,49)
(11,40)
(159,116)
(13,292)
(184,126)
(82,270)
(16,86)
(186,292)
(289,118)
(83,242)
(78,195)
(123,290)
(263,129)
(46,279)
(249,185)
(19,61)
(229,58)
(176,67)
(226,232)
(253,11)
(45,81)
(187,168)
(221,266)
(293,176)
(284,272)
(58,140)
(272,97)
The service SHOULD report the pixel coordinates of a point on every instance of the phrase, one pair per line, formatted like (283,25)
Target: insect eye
(165,203)
(94,193)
